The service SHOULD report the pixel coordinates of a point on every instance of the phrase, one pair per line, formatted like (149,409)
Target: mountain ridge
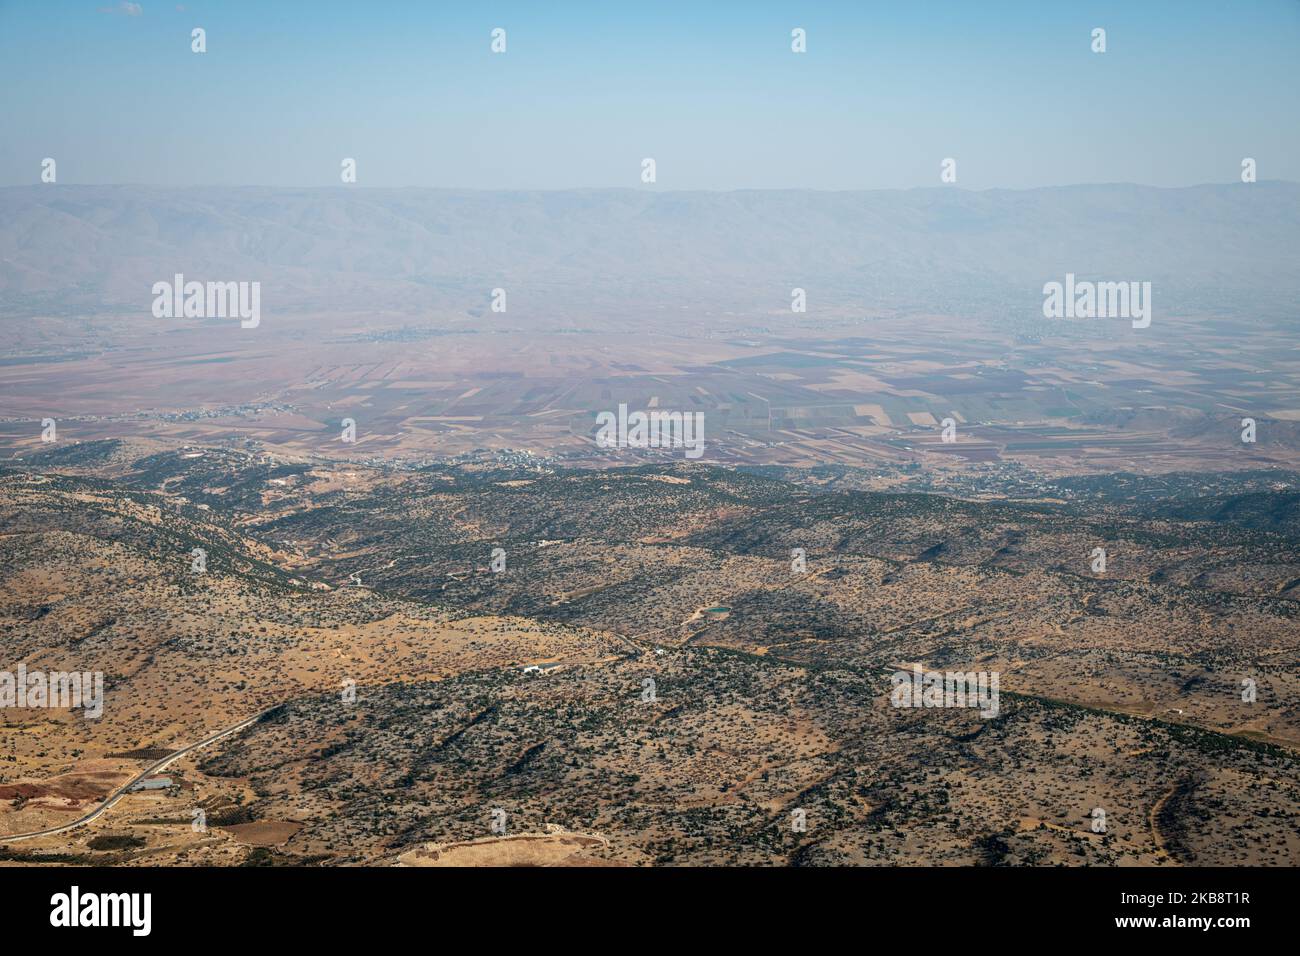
(100,248)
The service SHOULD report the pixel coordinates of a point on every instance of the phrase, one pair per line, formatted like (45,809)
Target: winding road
(149,771)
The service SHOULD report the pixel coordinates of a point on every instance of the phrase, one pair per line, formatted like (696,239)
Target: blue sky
(1012,91)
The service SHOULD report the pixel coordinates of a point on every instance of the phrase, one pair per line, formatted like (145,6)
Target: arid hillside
(666,664)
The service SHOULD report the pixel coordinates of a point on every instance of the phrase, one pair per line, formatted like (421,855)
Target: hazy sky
(711,90)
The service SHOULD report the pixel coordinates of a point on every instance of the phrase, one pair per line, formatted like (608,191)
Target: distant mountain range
(1229,249)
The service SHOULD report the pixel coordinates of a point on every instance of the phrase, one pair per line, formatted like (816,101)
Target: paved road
(149,771)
